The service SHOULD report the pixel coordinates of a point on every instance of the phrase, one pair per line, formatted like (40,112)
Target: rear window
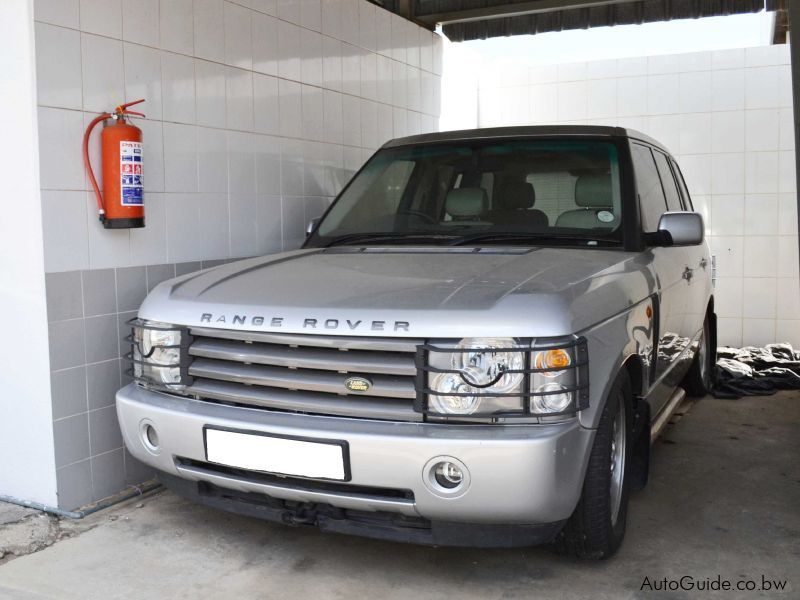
(687,199)
(648,184)
(668,181)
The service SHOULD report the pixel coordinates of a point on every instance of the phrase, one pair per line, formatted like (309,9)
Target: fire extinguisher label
(130,170)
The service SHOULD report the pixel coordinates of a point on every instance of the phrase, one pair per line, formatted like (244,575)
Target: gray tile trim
(74,485)
(124,332)
(87,312)
(68,392)
(104,432)
(131,288)
(99,292)
(67,344)
(71,439)
(64,296)
(209,264)
(108,473)
(187,267)
(103,381)
(102,338)
(158,273)
(136,472)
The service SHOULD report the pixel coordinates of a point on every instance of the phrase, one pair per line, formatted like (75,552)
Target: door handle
(688,274)
(703,262)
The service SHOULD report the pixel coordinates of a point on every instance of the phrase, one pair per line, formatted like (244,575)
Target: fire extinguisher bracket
(120,205)
(132,223)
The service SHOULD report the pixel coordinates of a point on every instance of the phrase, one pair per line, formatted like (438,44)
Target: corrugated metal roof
(480,19)
(625,13)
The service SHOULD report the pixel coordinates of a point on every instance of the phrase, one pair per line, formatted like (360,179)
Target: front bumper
(518,474)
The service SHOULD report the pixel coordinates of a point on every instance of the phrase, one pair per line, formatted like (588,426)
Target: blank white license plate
(285,456)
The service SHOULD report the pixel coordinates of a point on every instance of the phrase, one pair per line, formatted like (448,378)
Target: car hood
(410,292)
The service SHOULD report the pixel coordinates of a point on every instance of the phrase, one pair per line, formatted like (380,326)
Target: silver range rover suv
(475,346)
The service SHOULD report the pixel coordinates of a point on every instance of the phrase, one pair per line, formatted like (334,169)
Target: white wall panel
(26,435)
(295,69)
(727,116)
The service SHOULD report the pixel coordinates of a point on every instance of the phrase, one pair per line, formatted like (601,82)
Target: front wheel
(597,526)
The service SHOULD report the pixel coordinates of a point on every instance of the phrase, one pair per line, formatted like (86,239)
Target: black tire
(699,379)
(591,531)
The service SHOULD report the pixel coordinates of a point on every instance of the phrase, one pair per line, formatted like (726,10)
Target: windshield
(514,191)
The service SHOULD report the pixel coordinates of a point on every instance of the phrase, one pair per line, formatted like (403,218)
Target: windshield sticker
(605,216)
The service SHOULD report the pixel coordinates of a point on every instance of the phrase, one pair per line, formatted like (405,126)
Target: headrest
(593,191)
(515,195)
(466,202)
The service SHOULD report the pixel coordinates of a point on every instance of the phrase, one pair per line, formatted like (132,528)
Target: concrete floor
(724,499)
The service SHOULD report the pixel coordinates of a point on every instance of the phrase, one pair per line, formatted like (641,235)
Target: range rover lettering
(475,346)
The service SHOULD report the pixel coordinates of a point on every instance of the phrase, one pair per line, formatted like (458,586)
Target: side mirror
(678,229)
(312,225)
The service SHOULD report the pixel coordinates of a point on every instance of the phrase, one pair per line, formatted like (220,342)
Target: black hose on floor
(752,371)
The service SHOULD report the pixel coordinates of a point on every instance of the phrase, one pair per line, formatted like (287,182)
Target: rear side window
(648,184)
(687,200)
(668,181)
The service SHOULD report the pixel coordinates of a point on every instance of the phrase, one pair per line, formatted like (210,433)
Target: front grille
(305,373)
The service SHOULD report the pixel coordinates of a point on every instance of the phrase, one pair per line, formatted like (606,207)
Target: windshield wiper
(537,239)
(387,237)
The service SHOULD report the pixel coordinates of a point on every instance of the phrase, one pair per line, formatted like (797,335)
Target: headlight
(503,376)
(457,397)
(477,376)
(158,352)
(489,362)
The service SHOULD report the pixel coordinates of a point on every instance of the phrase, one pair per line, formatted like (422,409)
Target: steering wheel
(418,213)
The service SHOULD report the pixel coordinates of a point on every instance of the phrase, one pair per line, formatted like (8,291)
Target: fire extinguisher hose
(98,119)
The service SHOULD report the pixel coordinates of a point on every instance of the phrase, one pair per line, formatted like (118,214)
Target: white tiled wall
(258,111)
(727,116)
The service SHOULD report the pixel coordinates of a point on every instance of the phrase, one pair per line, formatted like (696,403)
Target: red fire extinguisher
(121,204)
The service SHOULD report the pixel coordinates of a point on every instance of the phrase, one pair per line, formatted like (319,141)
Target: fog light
(151,437)
(448,475)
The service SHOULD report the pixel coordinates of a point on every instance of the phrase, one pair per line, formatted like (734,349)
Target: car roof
(524,132)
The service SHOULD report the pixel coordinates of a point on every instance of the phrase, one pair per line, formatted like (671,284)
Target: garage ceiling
(464,20)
